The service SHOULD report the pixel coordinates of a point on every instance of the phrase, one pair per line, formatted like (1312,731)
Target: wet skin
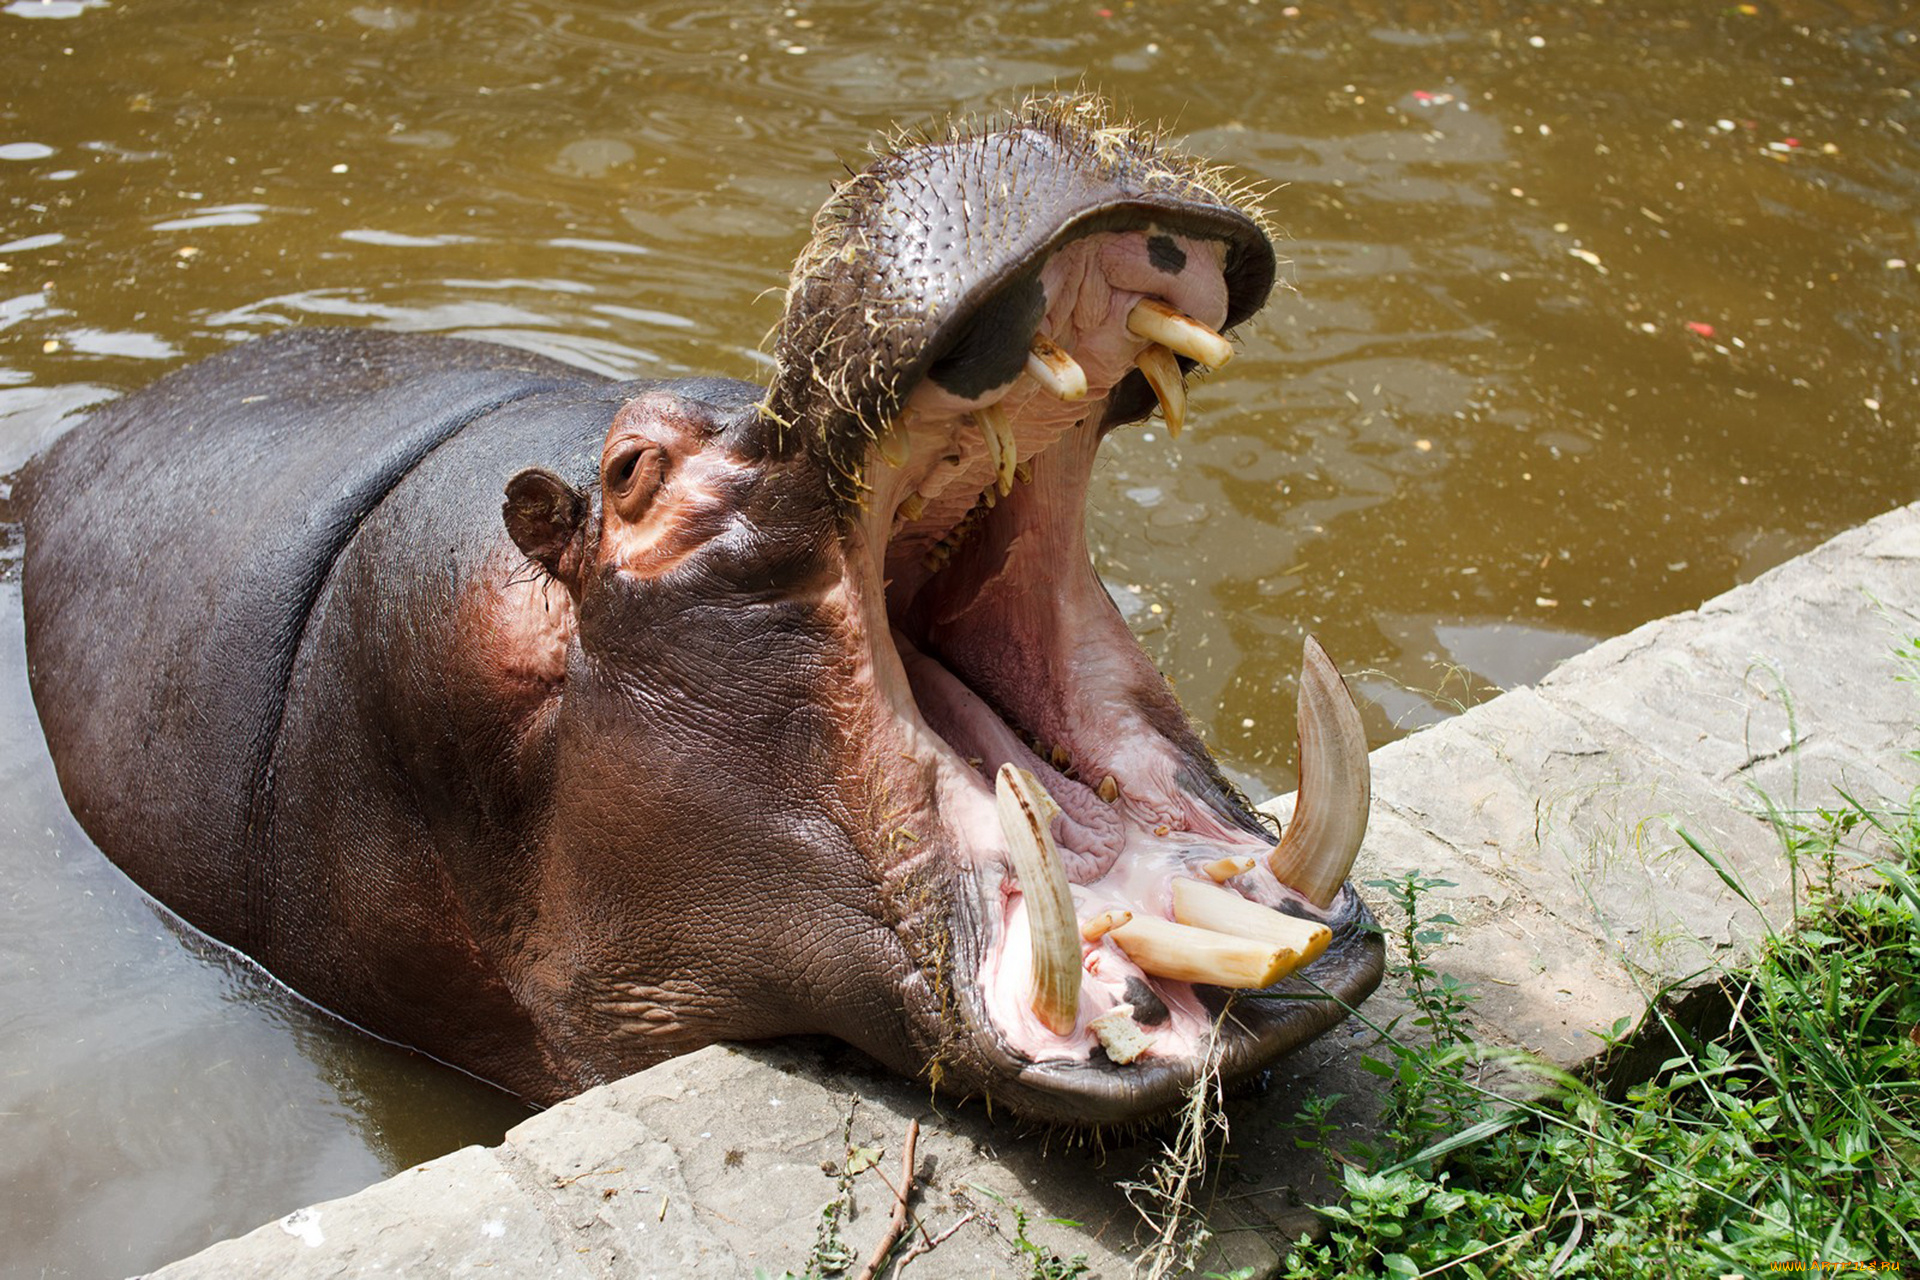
(701,735)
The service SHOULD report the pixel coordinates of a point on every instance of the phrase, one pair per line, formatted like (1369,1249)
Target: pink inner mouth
(1010,651)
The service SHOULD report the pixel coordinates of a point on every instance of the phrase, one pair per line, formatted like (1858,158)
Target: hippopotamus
(556,725)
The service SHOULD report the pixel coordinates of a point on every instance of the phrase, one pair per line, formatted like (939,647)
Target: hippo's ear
(547,519)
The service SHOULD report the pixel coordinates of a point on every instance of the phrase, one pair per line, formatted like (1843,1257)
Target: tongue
(1090,834)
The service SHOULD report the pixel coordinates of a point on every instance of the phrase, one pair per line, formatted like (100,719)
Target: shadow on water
(1591,312)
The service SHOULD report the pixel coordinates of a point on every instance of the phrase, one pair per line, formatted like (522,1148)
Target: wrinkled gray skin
(558,796)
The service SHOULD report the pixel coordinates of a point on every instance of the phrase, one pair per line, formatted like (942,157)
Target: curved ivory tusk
(1002,451)
(1212,906)
(1330,815)
(1055,370)
(1162,372)
(1155,321)
(1026,816)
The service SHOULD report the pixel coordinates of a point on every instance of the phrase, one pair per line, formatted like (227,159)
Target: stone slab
(460,1215)
(1554,812)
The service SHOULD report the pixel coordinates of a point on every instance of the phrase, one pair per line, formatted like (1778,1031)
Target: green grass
(1794,1138)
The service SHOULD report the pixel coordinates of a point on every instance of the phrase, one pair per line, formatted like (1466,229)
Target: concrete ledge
(1555,810)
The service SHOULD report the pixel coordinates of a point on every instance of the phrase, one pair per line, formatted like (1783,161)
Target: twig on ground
(929,1244)
(900,1196)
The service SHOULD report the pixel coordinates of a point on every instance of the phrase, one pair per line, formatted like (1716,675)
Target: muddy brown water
(1594,311)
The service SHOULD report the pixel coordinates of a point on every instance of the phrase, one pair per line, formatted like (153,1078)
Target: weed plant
(1789,1144)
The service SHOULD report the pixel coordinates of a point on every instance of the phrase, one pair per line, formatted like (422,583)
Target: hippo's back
(175,544)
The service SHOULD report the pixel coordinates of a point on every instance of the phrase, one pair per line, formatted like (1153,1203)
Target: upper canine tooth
(1163,375)
(1157,322)
(1212,906)
(1026,816)
(1055,370)
(1002,451)
(1187,954)
(1330,814)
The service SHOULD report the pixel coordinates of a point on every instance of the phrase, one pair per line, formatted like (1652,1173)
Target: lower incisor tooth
(1186,954)
(1221,870)
(1212,906)
(1101,925)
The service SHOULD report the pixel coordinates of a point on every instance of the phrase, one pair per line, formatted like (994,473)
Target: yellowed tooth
(1157,322)
(1212,906)
(913,506)
(1221,870)
(894,447)
(1055,370)
(1109,789)
(1101,925)
(1186,954)
(1026,819)
(1002,451)
(1163,375)
(1059,757)
(1023,472)
(1317,850)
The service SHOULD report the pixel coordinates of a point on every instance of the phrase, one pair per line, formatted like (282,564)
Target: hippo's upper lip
(999,650)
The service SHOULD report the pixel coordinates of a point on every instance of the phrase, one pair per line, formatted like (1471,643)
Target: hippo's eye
(630,476)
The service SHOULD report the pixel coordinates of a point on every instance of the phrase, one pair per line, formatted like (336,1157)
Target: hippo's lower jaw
(1106,888)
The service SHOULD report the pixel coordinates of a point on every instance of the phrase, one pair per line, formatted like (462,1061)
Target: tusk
(1157,322)
(1101,925)
(1210,906)
(1169,386)
(1317,851)
(1055,370)
(1123,1038)
(1221,870)
(1026,817)
(1002,452)
(1186,954)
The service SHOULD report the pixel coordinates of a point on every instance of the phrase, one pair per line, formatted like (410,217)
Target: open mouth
(1121,889)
